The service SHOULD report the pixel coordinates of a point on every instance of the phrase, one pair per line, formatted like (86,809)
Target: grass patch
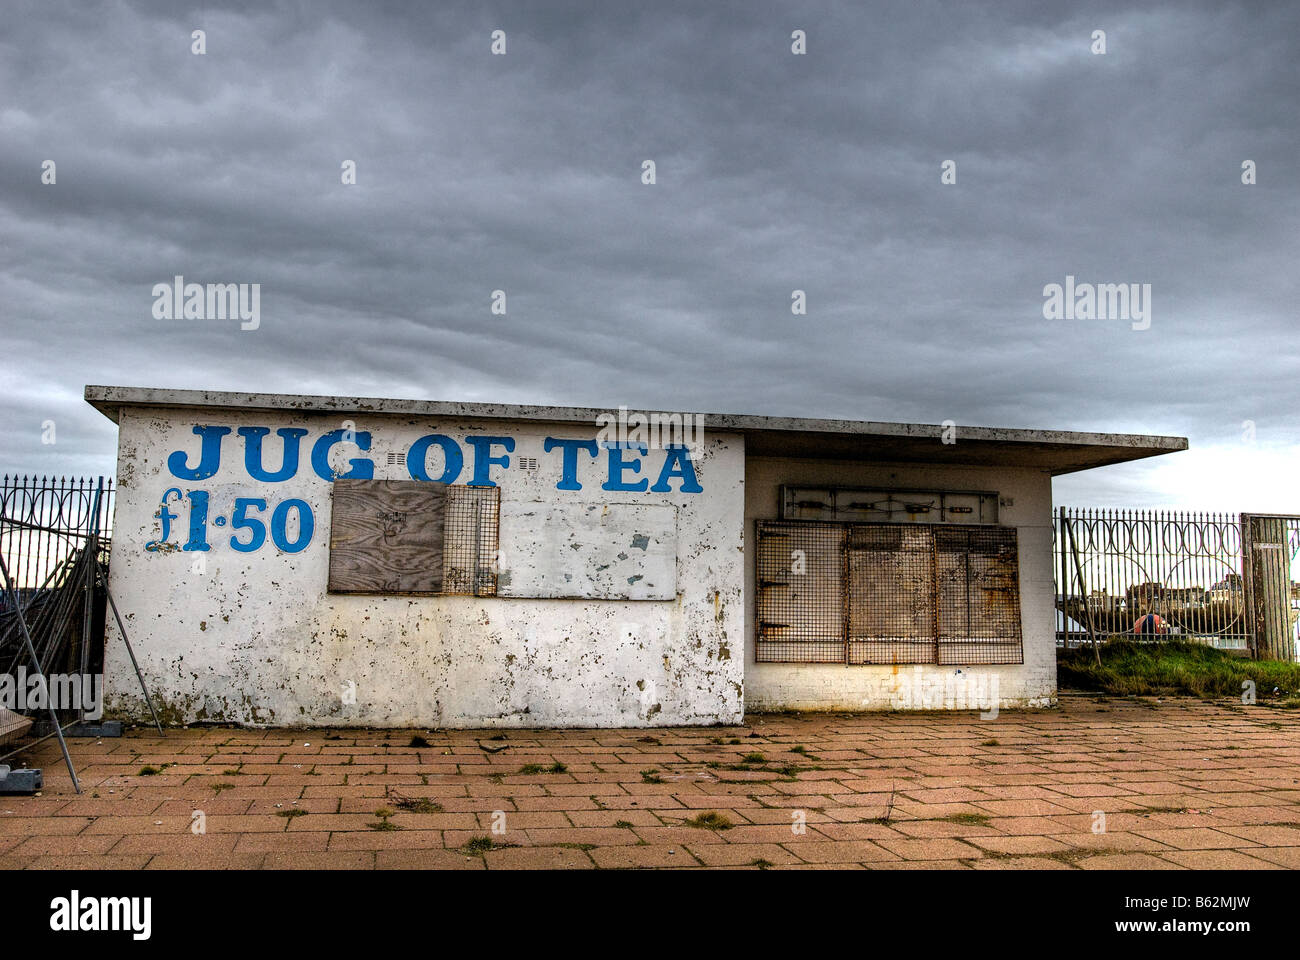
(990,743)
(710,820)
(1153,669)
(623,824)
(417,805)
(754,757)
(290,814)
(531,768)
(479,845)
(651,776)
(762,864)
(968,819)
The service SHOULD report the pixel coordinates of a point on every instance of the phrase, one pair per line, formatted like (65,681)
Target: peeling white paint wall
(254,637)
(829,686)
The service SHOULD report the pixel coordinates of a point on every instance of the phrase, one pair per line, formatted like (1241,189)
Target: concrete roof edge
(108,399)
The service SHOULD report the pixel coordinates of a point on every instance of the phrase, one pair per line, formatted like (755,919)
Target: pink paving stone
(1018,845)
(1199,838)
(741,854)
(932,849)
(1020,863)
(1269,836)
(653,855)
(843,851)
(538,858)
(1049,774)
(426,860)
(1126,861)
(1218,860)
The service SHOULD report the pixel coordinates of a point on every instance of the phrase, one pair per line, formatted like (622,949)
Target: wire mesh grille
(979,609)
(887,593)
(800,592)
(471,541)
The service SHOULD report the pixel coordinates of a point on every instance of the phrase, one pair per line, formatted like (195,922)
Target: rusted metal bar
(31,651)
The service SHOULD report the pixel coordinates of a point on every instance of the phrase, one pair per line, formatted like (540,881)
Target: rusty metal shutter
(979,598)
(891,594)
(899,593)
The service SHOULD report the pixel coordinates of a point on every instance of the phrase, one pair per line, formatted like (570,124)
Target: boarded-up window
(407,536)
(888,593)
(979,600)
(590,551)
(891,594)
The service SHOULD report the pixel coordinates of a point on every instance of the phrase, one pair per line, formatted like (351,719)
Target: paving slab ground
(1099,783)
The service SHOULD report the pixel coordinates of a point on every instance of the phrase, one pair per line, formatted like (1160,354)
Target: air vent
(527,463)
(397,459)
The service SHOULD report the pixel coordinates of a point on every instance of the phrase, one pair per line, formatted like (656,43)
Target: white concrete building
(535,566)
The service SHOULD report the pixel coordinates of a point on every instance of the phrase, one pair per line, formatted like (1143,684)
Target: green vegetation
(1149,669)
(651,776)
(968,819)
(383,813)
(710,820)
(417,805)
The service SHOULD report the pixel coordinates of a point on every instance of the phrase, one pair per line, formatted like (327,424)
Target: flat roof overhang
(1055,451)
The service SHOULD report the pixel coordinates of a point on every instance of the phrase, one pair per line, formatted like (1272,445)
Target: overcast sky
(774,172)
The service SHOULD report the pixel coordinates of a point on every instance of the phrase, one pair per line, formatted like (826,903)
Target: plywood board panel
(386,536)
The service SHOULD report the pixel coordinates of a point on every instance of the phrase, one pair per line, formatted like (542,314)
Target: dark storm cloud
(775,172)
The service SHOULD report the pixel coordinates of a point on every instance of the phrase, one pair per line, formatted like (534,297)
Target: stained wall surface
(646,630)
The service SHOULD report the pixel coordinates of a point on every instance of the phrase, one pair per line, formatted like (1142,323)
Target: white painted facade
(255,638)
(614,607)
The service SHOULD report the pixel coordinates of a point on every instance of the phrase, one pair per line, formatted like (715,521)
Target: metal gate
(1225,580)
